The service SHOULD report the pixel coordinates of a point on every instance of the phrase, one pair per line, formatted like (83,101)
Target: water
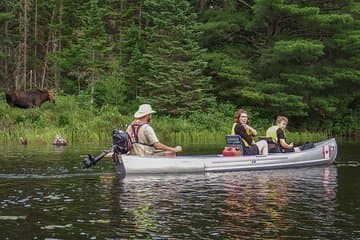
(45,194)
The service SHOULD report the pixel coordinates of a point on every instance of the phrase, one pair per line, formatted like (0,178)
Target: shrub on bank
(79,122)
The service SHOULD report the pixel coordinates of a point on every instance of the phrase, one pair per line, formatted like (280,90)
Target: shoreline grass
(83,123)
(103,136)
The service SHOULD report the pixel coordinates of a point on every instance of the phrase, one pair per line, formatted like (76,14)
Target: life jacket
(272,133)
(233,129)
(243,140)
(134,131)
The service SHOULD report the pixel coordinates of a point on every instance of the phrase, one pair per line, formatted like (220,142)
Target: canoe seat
(234,141)
(233,146)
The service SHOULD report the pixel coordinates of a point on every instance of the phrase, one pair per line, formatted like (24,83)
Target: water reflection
(257,201)
(217,206)
(45,193)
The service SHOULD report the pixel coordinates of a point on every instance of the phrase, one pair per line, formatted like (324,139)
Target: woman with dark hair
(246,132)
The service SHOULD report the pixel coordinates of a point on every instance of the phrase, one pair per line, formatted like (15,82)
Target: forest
(194,61)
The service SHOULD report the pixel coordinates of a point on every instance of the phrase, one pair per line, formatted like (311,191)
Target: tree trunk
(58,42)
(47,52)
(245,3)
(25,42)
(92,80)
(18,55)
(202,5)
(139,37)
(18,66)
(140,19)
(78,84)
(7,51)
(34,82)
(120,29)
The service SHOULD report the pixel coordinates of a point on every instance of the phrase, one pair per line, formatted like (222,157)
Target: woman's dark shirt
(240,130)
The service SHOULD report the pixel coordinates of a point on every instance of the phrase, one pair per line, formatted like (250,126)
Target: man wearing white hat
(145,141)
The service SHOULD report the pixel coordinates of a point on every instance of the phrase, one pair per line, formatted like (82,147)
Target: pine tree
(83,57)
(301,66)
(297,58)
(227,42)
(5,41)
(167,57)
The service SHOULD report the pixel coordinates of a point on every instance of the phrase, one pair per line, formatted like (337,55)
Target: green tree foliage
(168,60)
(9,39)
(301,57)
(297,58)
(82,59)
(227,42)
(114,86)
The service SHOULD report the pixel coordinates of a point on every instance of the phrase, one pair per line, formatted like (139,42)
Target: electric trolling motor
(121,144)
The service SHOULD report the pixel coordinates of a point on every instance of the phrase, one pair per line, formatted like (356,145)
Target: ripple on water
(253,205)
(52,176)
(50,189)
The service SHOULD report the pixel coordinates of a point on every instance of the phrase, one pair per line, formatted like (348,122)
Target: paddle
(91,160)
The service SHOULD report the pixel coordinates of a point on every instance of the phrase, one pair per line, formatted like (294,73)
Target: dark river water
(45,194)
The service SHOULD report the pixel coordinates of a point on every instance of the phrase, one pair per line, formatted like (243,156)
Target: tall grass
(80,122)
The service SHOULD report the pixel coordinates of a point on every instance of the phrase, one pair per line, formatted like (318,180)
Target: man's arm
(163,147)
(282,141)
(153,140)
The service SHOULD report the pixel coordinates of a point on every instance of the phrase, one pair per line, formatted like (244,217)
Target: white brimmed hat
(144,109)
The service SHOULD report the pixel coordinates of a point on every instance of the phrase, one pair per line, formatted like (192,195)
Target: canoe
(323,153)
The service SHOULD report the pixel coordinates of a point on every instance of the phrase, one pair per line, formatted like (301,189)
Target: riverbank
(75,135)
(79,123)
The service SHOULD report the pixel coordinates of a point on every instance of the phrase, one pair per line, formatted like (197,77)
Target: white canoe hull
(324,153)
